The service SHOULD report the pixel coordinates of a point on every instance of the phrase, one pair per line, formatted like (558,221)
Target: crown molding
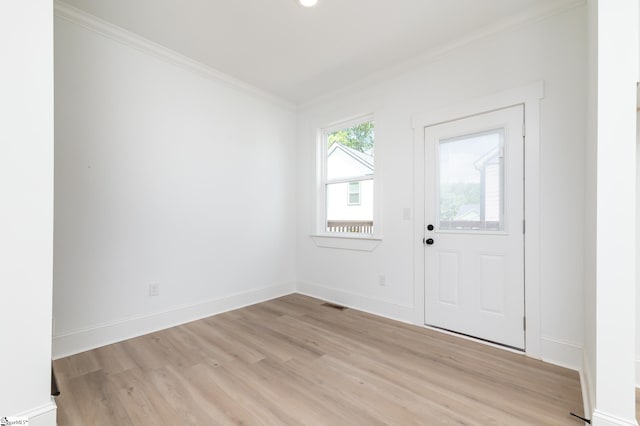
(528,17)
(130,39)
(114,32)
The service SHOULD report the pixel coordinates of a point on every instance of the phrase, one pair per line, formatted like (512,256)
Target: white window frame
(352,241)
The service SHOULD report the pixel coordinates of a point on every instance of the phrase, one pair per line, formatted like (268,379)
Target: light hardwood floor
(294,361)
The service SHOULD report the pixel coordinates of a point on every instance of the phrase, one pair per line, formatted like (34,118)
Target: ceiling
(297,53)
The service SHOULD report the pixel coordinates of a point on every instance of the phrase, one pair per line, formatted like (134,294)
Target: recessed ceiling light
(308,3)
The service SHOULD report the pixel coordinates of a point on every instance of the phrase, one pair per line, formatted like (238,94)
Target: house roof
(488,157)
(468,212)
(362,158)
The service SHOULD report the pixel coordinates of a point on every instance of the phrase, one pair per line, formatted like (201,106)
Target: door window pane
(471,182)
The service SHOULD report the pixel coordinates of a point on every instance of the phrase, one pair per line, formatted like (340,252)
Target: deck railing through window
(351,226)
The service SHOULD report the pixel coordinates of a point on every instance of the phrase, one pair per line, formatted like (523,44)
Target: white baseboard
(554,351)
(357,301)
(638,373)
(77,341)
(604,419)
(561,353)
(44,415)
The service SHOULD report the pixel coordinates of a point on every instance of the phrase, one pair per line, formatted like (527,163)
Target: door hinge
(524,323)
(524,129)
(524,226)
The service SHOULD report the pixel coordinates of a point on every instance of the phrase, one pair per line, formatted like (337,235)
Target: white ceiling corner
(279,49)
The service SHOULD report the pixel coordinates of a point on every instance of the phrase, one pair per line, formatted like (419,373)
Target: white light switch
(154,289)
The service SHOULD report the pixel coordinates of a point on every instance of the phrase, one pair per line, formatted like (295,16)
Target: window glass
(471,182)
(350,151)
(349,169)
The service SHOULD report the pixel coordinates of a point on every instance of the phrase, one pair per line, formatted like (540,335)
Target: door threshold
(476,339)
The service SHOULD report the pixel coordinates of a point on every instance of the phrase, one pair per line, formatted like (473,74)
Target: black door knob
(430,227)
(429,241)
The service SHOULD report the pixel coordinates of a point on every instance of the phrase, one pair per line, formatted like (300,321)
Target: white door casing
(530,96)
(474,255)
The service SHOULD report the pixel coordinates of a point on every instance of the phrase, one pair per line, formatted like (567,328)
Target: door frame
(529,96)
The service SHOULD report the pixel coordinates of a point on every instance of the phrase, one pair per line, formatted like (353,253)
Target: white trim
(130,39)
(637,373)
(601,418)
(44,415)
(371,305)
(530,97)
(351,179)
(561,353)
(529,17)
(587,386)
(348,122)
(88,338)
(346,242)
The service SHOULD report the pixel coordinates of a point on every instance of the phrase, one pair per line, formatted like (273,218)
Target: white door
(474,239)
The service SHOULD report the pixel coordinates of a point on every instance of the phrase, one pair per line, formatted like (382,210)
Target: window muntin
(348,168)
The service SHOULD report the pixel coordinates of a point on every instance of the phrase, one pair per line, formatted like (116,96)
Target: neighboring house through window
(348,177)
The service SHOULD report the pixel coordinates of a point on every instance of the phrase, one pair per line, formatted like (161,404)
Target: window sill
(346,242)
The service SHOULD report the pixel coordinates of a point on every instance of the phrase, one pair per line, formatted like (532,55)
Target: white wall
(26,209)
(591,196)
(638,228)
(162,175)
(553,50)
(638,247)
(616,217)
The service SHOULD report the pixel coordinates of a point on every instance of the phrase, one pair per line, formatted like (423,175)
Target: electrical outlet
(382,281)
(154,289)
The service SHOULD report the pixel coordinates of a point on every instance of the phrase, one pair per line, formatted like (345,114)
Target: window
(353,194)
(348,168)
(471,182)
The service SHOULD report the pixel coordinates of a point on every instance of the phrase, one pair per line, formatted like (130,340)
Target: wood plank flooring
(294,361)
